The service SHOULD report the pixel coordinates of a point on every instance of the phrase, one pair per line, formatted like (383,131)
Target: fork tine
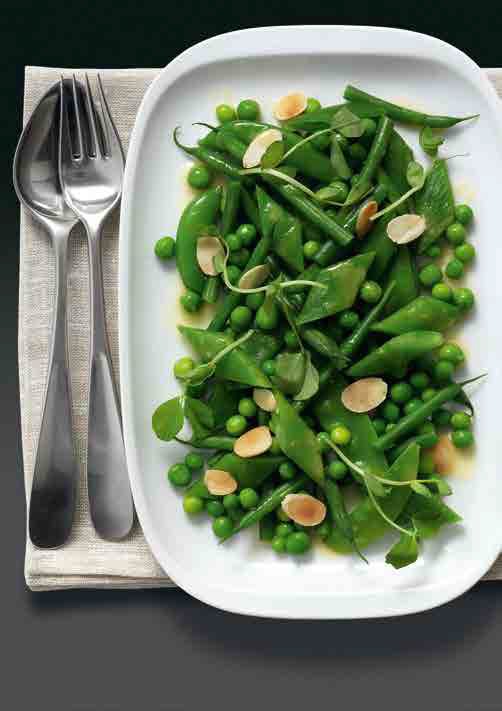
(91,113)
(65,147)
(112,137)
(78,122)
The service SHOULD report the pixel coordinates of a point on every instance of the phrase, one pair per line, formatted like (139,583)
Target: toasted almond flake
(256,149)
(254,277)
(365,394)
(304,509)
(264,399)
(253,442)
(207,249)
(406,228)
(290,106)
(444,455)
(363,222)
(219,482)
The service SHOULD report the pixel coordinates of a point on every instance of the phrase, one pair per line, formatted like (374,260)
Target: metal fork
(91,166)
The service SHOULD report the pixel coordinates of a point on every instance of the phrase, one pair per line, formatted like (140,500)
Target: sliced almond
(254,277)
(406,228)
(444,455)
(363,222)
(219,482)
(365,394)
(253,442)
(207,249)
(304,509)
(264,399)
(256,149)
(290,106)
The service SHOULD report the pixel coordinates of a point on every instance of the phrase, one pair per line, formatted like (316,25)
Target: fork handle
(110,500)
(55,476)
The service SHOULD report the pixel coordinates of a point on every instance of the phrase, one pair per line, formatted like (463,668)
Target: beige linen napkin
(86,560)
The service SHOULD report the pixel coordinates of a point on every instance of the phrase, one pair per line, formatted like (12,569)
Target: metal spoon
(36,181)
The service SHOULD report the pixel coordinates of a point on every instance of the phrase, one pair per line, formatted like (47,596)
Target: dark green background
(155,650)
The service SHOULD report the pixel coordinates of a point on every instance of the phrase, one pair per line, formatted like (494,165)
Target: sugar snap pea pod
(436,204)
(373,160)
(199,213)
(269,504)
(400,113)
(215,442)
(237,365)
(410,422)
(367,523)
(287,242)
(342,282)
(233,299)
(231,202)
(339,514)
(403,273)
(250,472)
(250,208)
(211,290)
(313,213)
(394,356)
(423,313)
(323,344)
(214,159)
(353,342)
(297,440)
(379,244)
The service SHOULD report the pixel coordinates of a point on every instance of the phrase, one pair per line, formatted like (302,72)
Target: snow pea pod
(214,159)
(425,440)
(379,244)
(285,229)
(436,204)
(338,512)
(367,523)
(330,411)
(393,194)
(342,281)
(423,313)
(250,472)
(394,356)
(395,163)
(297,440)
(231,202)
(353,342)
(269,210)
(237,365)
(262,346)
(373,160)
(199,213)
(400,113)
(403,273)
(314,120)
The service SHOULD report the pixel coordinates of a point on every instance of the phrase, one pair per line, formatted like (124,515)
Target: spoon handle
(55,477)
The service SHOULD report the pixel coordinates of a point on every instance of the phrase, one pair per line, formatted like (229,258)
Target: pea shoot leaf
(404,552)
(430,140)
(310,381)
(167,420)
(415,175)
(348,124)
(420,489)
(289,372)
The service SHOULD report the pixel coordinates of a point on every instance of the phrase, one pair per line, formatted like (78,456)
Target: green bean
(400,113)
(375,156)
(352,343)
(250,208)
(233,145)
(211,290)
(231,207)
(215,442)
(214,159)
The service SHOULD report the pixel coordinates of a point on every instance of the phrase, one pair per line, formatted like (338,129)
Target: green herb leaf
(200,417)
(415,175)
(310,382)
(348,124)
(167,420)
(442,486)
(430,140)
(273,155)
(338,161)
(404,552)
(419,488)
(289,372)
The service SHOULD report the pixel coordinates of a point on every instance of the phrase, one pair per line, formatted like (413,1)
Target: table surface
(142,650)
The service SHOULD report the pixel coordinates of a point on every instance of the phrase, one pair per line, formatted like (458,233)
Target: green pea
(278,544)
(430,275)
(441,417)
(234,274)
(340,191)
(248,110)
(443,370)
(455,234)
(281,515)
(254,301)
(434,251)
(370,292)
(379,425)
(463,298)
(341,435)
(199,177)
(236,425)
(357,152)
(310,249)
(401,393)
(231,501)
(267,319)
(247,233)
(442,292)
(268,367)
(337,469)
(239,258)
(420,380)
(348,320)
(164,247)
(194,461)
(462,438)
(225,113)
(179,475)
(215,508)
(452,352)
(390,411)
(282,530)
(241,317)
(323,440)
(223,526)
(426,465)
(428,394)
(287,471)
(312,105)
(247,407)
(190,301)
(249,498)
(461,421)
(193,505)
(298,543)
(290,339)
(454,269)
(234,241)
(183,366)
(463,214)
(465,252)
(412,405)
